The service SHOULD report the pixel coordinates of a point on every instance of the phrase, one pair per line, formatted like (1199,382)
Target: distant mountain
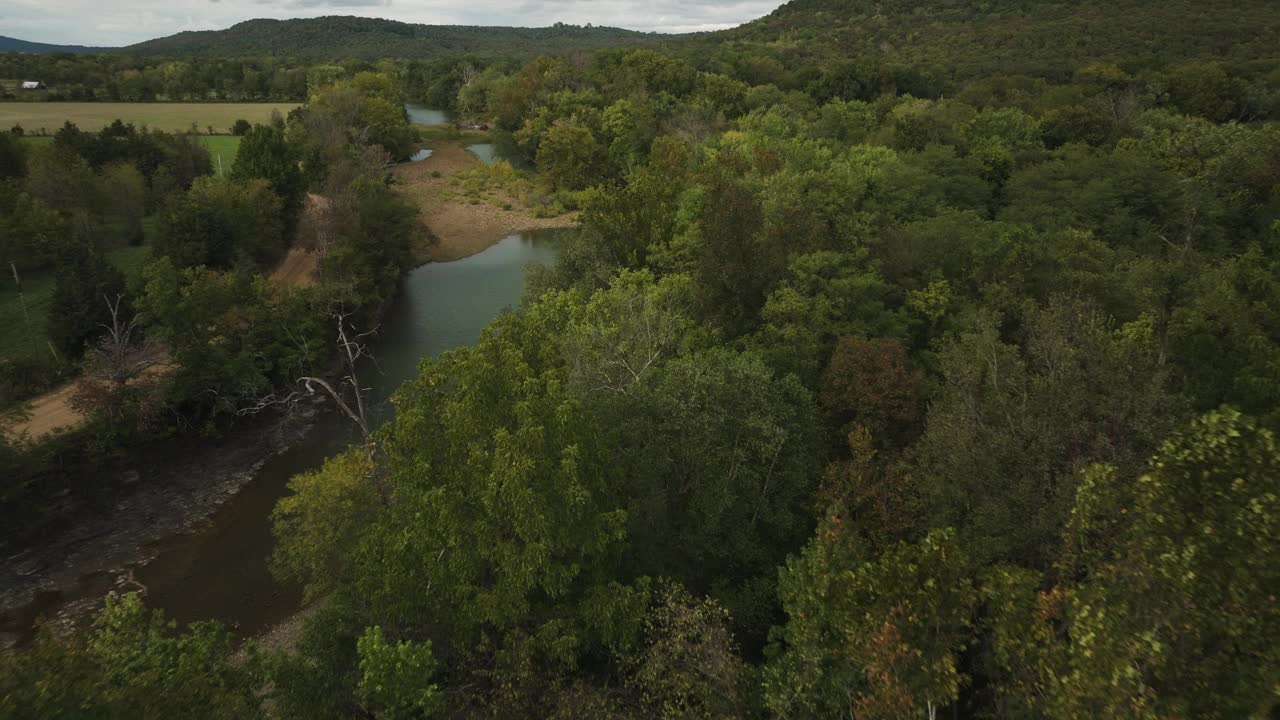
(8,44)
(338,37)
(980,37)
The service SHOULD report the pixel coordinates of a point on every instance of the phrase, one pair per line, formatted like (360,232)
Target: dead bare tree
(121,356)
(114,368)
(352,349)
(468,73)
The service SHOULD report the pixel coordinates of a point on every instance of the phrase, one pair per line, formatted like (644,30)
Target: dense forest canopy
(1028,37)
(890,376)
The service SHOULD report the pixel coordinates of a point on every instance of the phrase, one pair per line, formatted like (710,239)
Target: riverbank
(455,227)
(94,541)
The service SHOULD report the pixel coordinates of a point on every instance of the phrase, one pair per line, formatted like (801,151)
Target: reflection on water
(485,152)
(445,305)
(419,115)
(491,154)
(221,572)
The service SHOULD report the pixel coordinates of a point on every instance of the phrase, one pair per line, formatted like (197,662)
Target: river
(221,572)
(421,115)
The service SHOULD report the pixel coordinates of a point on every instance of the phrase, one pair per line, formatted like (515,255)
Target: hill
(8,44)
(336,37)
(1033,37)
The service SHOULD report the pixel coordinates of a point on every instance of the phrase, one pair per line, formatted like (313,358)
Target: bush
(240,127)
(568,199)
(24,377)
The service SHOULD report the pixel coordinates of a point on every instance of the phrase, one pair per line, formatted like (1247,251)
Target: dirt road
(50,412)
(297,269)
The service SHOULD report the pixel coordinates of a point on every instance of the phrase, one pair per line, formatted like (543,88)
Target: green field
(37,290)
(171,117)
(225,145)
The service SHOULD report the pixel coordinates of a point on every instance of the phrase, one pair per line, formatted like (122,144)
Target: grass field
(37,290)
(225,145)
(171,117)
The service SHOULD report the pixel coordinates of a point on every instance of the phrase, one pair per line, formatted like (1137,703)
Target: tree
(240,127)
(873,384)
(265,153)
(1010,428)
(133,664)
(233,338)
(1165,606)
(689,667)
(499,523)
(111,386)
(569,155)
(394,677)
(870,637)
(77,314)
(222,223)
(13,157)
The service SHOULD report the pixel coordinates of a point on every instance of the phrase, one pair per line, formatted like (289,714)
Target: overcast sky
(122,22)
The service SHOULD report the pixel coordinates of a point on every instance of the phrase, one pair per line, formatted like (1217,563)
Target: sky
(123,22)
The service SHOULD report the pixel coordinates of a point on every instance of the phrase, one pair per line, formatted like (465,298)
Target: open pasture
(171,117)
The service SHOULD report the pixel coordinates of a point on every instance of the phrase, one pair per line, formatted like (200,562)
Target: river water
(420,115)
(221,572)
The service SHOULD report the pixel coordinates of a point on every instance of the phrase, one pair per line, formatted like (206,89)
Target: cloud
(305,4)
(123,22)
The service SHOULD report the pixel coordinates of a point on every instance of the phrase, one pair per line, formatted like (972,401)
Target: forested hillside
(333,38)
(967,38)
(8,44)
(928,381)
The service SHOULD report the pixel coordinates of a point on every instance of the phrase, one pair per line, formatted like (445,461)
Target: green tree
(13,156)
(223,223)
(85,281)
(689,666)
(1010,429)
(871,637)
(265,153)
(133,664)
(394,677)
(569,155)
(1167,605)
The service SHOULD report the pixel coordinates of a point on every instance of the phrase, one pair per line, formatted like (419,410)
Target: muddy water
(221,572)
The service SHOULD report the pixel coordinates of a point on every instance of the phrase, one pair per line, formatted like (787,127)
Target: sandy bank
(459,228)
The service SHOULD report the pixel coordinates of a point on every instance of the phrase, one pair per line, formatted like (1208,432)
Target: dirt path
(297,269)
(459,228)
(49,412)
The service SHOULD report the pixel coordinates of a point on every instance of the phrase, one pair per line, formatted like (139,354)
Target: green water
(491,154)
(485,152)
(442,306)
(221,571)
(419,115)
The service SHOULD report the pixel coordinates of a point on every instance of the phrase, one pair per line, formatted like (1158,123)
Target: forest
(874,386)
